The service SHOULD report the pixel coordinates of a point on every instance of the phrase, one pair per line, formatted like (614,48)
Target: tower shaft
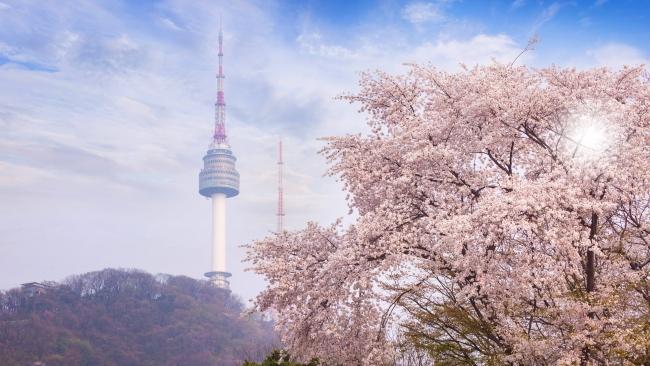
(219,232)
(219,240)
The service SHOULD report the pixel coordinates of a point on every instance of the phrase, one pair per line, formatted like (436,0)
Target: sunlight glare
(589,137)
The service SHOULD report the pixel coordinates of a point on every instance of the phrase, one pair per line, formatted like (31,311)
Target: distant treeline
(127,317)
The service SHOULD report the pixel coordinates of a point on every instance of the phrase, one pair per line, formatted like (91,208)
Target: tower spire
(220,136)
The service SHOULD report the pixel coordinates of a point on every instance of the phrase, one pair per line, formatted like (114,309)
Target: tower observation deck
(219,180)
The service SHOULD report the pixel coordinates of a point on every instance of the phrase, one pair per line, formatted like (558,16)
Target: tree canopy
(502,218)
(127,317)
(281,358)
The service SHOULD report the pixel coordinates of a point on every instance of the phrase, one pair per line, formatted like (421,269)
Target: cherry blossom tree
(502,217)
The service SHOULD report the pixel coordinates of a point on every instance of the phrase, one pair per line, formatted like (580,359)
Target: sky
(106,109)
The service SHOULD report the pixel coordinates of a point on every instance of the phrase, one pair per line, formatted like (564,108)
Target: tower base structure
(219,279)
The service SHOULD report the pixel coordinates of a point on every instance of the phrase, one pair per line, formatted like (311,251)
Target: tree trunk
(590,268)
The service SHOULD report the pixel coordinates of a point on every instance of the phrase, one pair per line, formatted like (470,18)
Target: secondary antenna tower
(280,213)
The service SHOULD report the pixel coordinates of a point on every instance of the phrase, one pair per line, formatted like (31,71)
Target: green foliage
(432,332)
(124,318)
(281,358)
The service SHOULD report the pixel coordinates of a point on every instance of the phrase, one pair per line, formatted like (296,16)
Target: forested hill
(123,318)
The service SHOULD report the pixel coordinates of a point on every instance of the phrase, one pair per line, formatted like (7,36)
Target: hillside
(120,317)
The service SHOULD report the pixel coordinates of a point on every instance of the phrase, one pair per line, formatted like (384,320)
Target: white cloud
(312,44)
(617,55)
(480,49)
(423,12)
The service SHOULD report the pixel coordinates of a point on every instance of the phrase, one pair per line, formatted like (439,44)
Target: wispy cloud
(480,49)
(30,65)
(547,15)
(617,55)
(170,24)
(517,4)
(424,12)
(312,44)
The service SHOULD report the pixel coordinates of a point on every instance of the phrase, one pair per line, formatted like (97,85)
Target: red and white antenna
(220,104)
(280,213)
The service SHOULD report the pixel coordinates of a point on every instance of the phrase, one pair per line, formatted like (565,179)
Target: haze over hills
(129,317)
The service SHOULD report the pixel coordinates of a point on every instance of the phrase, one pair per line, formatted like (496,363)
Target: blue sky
(106,111)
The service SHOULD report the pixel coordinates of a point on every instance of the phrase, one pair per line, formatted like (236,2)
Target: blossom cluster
(488,228)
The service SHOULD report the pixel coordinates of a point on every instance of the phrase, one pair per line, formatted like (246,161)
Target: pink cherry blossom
(489,220)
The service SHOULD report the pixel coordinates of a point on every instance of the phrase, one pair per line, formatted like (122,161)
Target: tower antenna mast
(220,136)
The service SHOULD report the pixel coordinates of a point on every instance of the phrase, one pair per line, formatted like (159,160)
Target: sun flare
(589,137)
